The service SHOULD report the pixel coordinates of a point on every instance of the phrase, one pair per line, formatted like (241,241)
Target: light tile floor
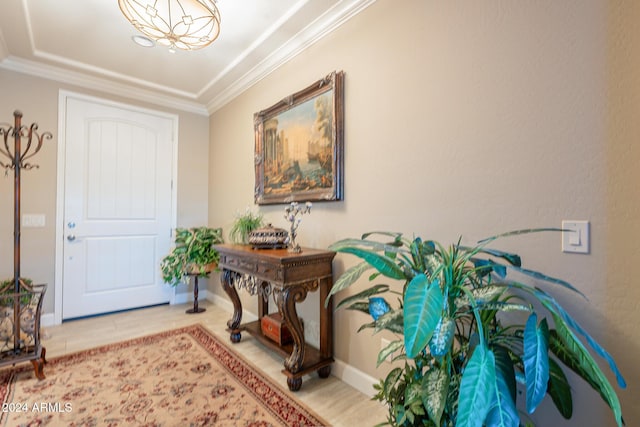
(334,400)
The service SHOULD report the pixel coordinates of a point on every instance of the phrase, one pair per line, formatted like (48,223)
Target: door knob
(71,237)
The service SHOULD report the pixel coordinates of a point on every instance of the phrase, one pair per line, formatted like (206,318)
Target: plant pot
(202,270)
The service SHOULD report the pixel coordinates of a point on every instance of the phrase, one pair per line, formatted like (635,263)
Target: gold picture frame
(299,145)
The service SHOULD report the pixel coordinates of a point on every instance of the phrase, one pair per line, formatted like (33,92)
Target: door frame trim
(63,97)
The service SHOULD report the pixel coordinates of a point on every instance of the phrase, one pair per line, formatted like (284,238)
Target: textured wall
(473,118)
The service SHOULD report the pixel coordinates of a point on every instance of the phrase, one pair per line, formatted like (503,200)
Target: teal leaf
(486,266)
(513,259)
(540,276)
(435,386)
(559,390)
(423,303)
(442,337)
(476,388)
(503,411)
(536,360)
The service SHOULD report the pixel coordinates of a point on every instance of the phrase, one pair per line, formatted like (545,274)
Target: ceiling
(88,43)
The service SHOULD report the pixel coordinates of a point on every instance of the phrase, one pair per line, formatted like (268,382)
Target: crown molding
(75,78)
(325,24)
(141,90)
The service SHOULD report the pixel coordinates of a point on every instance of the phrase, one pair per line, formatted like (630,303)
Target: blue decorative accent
(377,307)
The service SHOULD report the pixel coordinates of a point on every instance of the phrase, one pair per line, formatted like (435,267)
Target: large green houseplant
(468,333)
(193,253)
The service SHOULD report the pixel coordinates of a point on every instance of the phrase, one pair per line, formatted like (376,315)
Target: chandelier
(182,24)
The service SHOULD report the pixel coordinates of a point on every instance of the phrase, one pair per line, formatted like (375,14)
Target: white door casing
(117,208)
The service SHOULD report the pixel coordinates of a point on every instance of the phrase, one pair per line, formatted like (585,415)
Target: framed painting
(299,145)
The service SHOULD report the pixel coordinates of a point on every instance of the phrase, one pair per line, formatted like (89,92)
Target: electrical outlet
(383,344)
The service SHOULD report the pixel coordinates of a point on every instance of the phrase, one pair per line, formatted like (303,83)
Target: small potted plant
(460,356)
(243,225)
(193,253)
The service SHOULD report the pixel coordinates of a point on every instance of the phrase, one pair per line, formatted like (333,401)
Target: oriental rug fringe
(183,377)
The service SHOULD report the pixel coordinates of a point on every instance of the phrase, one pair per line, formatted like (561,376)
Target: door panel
(117,210)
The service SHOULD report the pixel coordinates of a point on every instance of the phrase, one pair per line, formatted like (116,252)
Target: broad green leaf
(359,306)
(504,306)
(396,235)
(487,293)
(347,279)
(571,344)
(355,243)
(435,386)
(476,388)
(423,303)
(382,263)
(536,360)
(549,303)
(559,390)
(391,320)
(365,294)
(389,350)
(392,378)
(570,360)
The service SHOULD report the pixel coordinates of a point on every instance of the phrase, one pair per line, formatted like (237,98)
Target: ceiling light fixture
(182,24)
(143,41)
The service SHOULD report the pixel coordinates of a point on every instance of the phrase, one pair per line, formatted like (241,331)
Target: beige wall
(38,100)
(468,119)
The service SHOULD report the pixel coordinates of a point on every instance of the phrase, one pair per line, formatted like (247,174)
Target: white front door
(117,207)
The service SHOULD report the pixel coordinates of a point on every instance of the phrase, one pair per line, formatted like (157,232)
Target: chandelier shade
(182,24)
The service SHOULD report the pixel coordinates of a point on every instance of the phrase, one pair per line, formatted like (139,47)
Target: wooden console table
(288,277)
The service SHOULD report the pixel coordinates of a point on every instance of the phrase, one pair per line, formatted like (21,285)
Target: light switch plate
(576,237)
(33,220)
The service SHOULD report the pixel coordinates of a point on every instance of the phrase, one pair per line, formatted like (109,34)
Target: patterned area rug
(184,377)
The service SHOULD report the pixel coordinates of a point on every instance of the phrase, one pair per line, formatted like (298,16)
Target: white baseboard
(341,370)
(185,297)
(47,319)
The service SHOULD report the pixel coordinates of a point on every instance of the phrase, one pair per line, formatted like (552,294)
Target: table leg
(326,320)
(286,301)
(227,278)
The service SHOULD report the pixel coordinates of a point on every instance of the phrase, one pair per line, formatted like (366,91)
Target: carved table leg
(286,301)
(227,278)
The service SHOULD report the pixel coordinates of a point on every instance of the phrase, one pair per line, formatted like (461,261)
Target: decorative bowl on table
(268,237)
